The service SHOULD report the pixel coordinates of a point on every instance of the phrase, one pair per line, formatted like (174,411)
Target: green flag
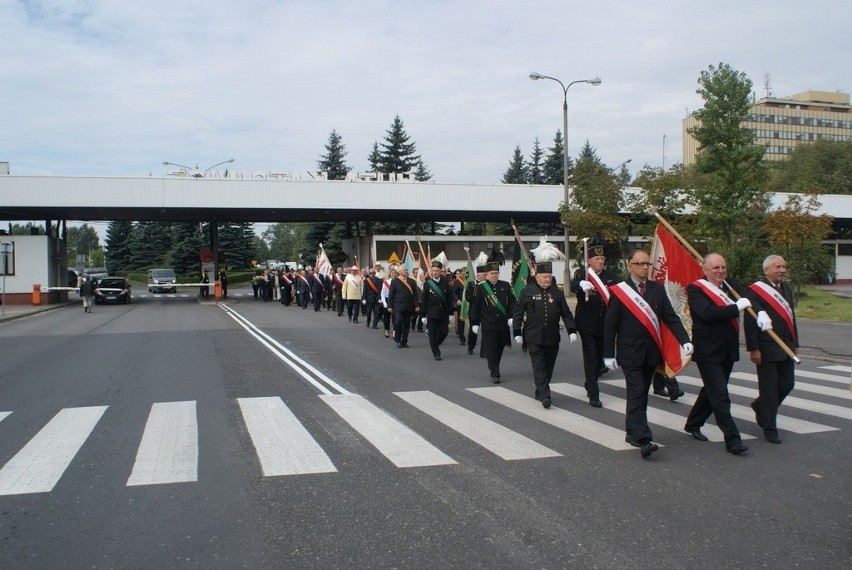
(469,282)
(520,270)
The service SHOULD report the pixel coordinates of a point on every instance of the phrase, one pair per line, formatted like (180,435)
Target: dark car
(112,290)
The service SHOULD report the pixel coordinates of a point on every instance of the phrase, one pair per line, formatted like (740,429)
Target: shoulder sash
(777,301)
(640,309)
(437,290)
(719,298)
(372,285)
(493,296)
(407,286)
(601,289)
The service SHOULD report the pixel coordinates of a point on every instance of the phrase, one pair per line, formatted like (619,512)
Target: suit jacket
(370,295)
(713,335)
(432,305)
(400,299)
(457,289)
(589,315)
(635,345)
(539,311)
(484,311)
(759,340)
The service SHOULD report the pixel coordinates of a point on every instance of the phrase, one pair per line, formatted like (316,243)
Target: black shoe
(773,438)
(602,371)
(595,403)
(696,433)
(375,326)
(438,357)
(546,403)
(399,345)
(470,351)
(495,379)
(405,345)
(675,395)
(757,418)
(462,341)
(631,441)
(664,393)
(737,448)
(647,449)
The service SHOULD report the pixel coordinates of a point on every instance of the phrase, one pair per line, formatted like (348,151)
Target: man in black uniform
(204,290)
(716,336)
(636,307)
(372,292)
(491,314)
(317,288)
(536,321)
(436,309)
(471,293)
(775,369)
(592,291)
(286,284)
(303,289)
(457,290)
(402,303)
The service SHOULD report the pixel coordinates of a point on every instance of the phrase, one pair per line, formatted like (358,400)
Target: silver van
(162,280)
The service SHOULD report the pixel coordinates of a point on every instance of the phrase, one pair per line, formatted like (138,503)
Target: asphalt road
(170,433)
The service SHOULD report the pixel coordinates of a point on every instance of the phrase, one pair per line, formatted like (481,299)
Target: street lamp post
(197,173)
(595,81)
(5,248)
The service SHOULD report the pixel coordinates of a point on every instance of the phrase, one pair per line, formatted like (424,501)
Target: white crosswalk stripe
(4,415)
(822,376)
(168,452)
(40,464)
(838,368)
(283,445)
(842,393)
(401,445)
(656,416)
(582,426)
(494,437)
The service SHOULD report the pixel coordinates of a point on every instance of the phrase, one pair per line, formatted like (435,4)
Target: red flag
(674,268)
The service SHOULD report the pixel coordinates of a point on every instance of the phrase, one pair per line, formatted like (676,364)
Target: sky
(108,87)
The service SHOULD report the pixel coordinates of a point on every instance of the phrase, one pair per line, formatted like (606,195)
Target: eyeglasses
(642,263)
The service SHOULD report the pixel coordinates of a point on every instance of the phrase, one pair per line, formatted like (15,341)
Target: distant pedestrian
(87,292)
(204,290)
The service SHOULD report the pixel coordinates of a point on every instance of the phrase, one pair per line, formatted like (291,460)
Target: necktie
(642,289)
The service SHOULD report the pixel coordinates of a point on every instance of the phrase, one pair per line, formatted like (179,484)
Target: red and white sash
(640,309)
(338,280)
(719,298)
(602,289)
(318,280)
(286,279)
(305,281)
(774,299)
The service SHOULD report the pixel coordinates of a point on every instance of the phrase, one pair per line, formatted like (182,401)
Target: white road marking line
(283,445)
(39,465)
(591,430)
(847,369)
(401,445)
(494,437)
(168,452)
(4,415)
(656,416)
(842,393)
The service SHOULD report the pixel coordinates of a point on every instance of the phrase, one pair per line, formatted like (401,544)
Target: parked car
(112,290)
(160,280)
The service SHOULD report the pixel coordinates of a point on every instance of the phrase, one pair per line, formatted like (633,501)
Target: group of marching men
(618,325)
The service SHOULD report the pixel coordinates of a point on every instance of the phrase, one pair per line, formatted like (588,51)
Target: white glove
(611,363)
(586,285)
(519,340)
(451,319)
(475,329)
(687,349)
(510,322)
(363,301)
(572,337)
(743,303)
(763,321)
(423,320)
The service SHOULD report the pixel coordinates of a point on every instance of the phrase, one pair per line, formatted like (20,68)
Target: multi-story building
(782,124)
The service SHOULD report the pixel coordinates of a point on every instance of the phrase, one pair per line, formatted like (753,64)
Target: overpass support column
(214,245)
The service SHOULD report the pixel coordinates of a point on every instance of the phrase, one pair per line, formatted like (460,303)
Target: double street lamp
(565,178)
(197,172)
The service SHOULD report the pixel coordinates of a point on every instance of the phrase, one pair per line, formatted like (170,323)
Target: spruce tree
(375,158)
(398,155)
(119,235)
(553,163)
(517,171)
(535,170)
(422,173)
(151,244)
(186,249)
(334,161)
(236,241)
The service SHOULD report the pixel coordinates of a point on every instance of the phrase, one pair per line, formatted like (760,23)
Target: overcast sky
(113,87)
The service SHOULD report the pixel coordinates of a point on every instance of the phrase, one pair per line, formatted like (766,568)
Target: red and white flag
(323,263)
(674,268)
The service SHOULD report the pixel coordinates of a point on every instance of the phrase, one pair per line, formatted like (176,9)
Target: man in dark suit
(491,315)
(402,303)
(371,292)
(540,307)
(775,369)
(437,307)
(715,334)
(470,294)
(589,316)
(636,309)
(457,286)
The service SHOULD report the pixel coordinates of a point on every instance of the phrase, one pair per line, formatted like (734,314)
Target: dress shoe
(546,403)
(595,403)
(675,395)
(664,393)
(756,408)
(470,351)
(773,438)
(696,434)
(462,341)
(438,357)
(737,448)
(495,379)
(405,345)
(631,441)
(647,449)
(399,345)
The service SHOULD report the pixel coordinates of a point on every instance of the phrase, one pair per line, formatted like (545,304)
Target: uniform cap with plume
(480,262)
(496,256)
(546,251)
(442,257)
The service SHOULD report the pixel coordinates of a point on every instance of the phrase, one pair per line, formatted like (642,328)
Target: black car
(112,290)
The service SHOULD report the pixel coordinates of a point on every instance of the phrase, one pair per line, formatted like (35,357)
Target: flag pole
(524,248)
(700,259)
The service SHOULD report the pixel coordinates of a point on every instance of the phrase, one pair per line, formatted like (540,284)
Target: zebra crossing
(168,451)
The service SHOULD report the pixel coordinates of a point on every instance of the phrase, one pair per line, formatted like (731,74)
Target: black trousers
(317,297)
(775,381)
(400,326)
(472,337)
(352,309)
(636,416)
(713,399)
(592,363)
(493,342)
(543,359)
(460,325)
(373,312)
(438,331)
(663,382)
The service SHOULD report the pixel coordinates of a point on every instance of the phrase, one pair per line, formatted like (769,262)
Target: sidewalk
(18,311)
